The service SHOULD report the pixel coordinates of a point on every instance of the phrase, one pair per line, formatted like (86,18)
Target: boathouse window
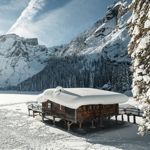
(49,104)
(61,107)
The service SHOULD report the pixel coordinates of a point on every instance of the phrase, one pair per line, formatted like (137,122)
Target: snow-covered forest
(97,58)
(113,54)
(80,71)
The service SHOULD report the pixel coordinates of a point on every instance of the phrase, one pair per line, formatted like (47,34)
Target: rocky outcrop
(32,41)
(20,59)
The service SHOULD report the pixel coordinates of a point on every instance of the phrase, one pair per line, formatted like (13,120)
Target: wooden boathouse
(78,105)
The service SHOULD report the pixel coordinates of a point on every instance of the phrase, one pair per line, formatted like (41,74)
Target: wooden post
(29,112)
(124,110)
(134,119)
(101,122)
(69,125)
(128,116)
(53,120)
(122,117)
(65,122)
(80,125)
(33,114)
(75,116)
(116,118)
(92,124)
(43,115)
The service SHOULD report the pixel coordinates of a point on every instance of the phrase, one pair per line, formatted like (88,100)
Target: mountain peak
(95,58)
(20,58)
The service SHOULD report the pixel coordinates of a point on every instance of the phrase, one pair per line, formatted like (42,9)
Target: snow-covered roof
(76,97)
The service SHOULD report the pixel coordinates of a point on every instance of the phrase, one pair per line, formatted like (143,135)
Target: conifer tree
(139,50)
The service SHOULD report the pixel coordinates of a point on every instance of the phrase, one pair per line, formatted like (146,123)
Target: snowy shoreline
(19,131)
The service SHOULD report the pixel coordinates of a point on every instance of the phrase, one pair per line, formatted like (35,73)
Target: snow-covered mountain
(97,57)
(108,36)
(20,59)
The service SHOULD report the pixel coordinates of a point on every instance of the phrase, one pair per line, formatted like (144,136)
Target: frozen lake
(19,131)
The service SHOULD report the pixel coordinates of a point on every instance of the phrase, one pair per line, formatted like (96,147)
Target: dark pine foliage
(79,71)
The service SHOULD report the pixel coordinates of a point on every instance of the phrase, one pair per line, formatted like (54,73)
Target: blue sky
(53,22)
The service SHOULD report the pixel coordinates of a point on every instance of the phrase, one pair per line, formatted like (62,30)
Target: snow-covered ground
(19,131)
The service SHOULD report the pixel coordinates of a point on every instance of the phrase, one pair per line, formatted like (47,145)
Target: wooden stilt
(65,122)
(29,112)
(134,119)
(128,117)
(92,124)
(33,114)
(101,123)
(116,118)
(53,120)
(122,117)
(69,125)
(43,115)
(80,125)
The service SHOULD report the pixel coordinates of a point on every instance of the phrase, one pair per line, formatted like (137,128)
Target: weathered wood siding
(45,108)
(59,111)
(83,113)
(96,111)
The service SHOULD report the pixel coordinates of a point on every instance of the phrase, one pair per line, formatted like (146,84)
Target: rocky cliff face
(108,36)
(96,58)
(20,59)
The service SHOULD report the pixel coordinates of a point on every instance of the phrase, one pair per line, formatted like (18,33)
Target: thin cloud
(58,25)
(26,16)
(9,12)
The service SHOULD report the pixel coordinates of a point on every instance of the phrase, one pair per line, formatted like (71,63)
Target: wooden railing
(131,111)
(35,107)
(135,112)
(128,111)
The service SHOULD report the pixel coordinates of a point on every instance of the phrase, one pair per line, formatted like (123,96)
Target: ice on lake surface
(19,131)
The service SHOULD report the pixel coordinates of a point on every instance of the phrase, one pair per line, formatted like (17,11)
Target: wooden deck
(35,108)
(128,111)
